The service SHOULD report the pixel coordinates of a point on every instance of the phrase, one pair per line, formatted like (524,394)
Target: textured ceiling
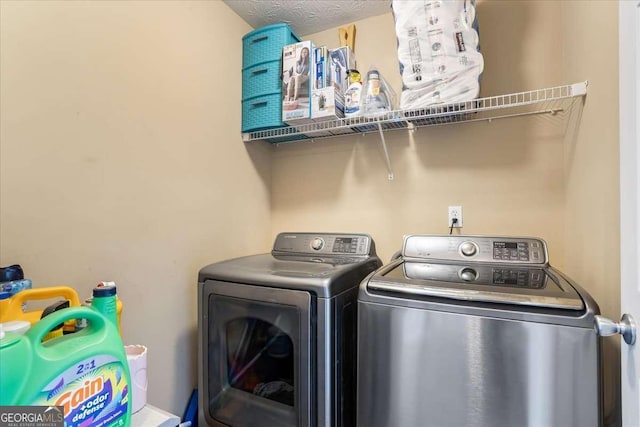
(307,16)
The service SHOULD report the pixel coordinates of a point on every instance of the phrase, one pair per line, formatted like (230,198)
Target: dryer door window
(260,359)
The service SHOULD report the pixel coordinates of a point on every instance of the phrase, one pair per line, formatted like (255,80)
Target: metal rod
(386,153)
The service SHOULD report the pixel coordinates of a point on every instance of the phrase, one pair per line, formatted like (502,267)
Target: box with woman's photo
(297,81)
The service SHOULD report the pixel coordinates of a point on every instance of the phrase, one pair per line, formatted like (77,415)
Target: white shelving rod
(386,153)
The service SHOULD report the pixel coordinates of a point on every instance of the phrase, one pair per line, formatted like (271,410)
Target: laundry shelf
(551,100)
(541,101)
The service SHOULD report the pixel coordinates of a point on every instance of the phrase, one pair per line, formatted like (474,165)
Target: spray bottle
(352,94)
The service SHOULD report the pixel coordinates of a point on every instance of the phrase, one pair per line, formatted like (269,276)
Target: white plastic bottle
(352,95)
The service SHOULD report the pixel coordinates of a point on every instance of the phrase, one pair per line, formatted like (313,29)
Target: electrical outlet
(455,212)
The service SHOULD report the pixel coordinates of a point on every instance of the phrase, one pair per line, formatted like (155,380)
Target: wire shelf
(540,101)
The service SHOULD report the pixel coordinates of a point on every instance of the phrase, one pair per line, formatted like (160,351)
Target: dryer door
(257,355)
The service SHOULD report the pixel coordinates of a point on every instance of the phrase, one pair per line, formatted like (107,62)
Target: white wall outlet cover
(455,212)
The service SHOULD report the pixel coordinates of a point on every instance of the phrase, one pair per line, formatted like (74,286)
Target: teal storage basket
(262,112)
(261,83)
(265,44)
(261,79)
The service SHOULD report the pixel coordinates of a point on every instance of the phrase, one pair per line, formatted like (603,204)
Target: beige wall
(121,159)
(507,174)
(592,205)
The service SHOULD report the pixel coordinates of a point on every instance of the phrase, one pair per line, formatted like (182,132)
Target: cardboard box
(327,104)
(297,82)
(321,61)
(341,59)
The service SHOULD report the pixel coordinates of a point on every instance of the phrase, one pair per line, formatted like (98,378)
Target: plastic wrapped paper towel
(438,50)
(137,358)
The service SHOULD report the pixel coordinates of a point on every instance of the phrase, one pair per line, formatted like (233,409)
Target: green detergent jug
(85,372)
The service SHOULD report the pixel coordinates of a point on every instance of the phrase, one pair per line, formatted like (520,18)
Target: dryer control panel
(510,250)
(324,244)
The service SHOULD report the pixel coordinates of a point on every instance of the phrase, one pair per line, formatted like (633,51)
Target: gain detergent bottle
(85,372)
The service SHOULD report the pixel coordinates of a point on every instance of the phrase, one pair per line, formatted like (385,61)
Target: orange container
(11,308)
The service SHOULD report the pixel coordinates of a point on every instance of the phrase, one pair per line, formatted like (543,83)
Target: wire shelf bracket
(386,152)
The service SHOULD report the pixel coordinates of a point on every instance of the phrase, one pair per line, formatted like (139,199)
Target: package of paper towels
(137,358)
(438,51)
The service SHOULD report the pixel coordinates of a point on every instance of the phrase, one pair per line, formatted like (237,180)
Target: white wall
(121,159)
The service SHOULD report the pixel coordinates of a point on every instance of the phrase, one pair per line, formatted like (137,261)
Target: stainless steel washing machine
(277,333)
(469,331)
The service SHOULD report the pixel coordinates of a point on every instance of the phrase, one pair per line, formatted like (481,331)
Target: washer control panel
(501,276)
(516,251)
(324,243)
(520,250)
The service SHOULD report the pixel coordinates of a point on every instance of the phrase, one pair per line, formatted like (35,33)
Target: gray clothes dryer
(476,332)
(277,333)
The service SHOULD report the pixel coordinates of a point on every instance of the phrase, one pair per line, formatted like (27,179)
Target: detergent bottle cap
(373,74)
(16,326)
(104,291)
(8,339)
(12,272)
(354,75)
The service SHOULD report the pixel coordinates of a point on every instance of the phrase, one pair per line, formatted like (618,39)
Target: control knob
(468,248)
(468,274)
(317,244)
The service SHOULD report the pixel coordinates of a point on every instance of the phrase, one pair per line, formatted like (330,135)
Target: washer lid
(488,283)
